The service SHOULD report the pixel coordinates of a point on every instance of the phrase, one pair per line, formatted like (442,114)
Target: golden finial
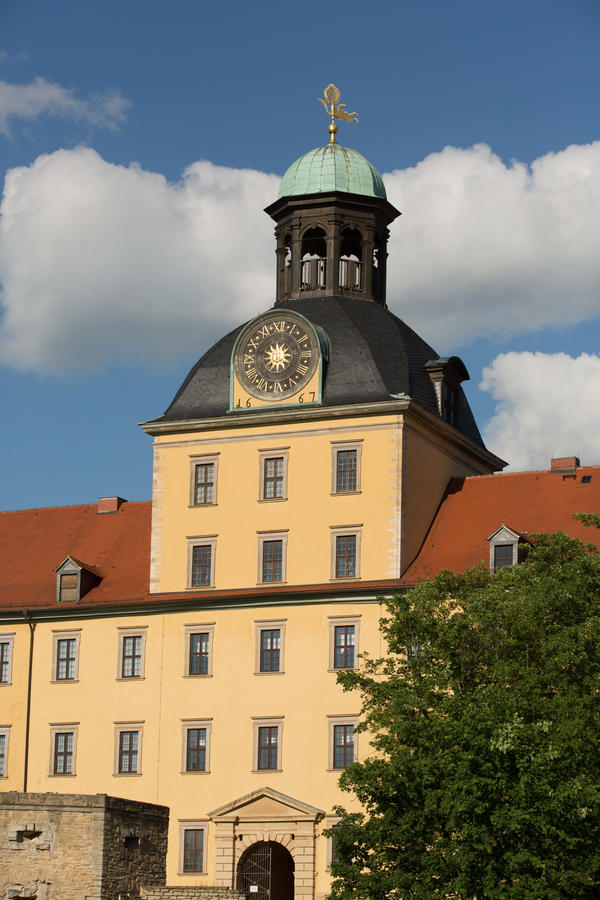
(336,110)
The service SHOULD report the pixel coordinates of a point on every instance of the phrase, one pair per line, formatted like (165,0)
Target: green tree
(484,719)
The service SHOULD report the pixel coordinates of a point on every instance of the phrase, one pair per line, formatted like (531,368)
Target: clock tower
(296,474)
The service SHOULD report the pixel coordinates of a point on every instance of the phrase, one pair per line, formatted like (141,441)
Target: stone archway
(267,817)
(265,871)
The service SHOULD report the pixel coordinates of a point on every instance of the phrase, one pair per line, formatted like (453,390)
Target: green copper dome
(332,168)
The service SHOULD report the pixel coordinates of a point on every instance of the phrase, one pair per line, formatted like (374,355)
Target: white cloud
(101,262)
(483,248)
(41,97)
(547,405)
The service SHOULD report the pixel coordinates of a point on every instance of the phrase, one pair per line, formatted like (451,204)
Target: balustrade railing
(350,275)
(312,275)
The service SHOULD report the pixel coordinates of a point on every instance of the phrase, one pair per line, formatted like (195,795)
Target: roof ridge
(497,475)
(5,512)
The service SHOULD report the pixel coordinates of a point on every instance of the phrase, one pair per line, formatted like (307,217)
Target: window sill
(344,493)
(62,774)
(65,681)
(200,587)
(269,583)
(130,678)
(127,774)
(200,505)
(262,771)
(346,578)
(272,499)
(344,669)
(193,873)
(274,672)
(5,683)
(199,675)
(341,768)
(195,772)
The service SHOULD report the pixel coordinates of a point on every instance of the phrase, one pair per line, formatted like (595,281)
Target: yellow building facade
(296,474)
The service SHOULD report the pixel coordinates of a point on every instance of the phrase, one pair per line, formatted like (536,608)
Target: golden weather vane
(335,109)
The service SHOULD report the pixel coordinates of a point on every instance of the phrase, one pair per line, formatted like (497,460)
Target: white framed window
(201,562)
(192,846)
(63,749)
(128,748)
(272,557)
(273,469)
(267,734)
(269,644)
(65,655)
(345,552)
(131,656)
(346,457)
(342,742)
(203,479)
(344,634)
(198,649)
(195,745)
(6,656)
(4,736)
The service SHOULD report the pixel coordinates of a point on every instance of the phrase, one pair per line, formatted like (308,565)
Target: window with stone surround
(267,744)
(4,735)
(201,562)
(273,474)
(65,655)
(198,651)
(128,748)
(343,642)
(342,741)
(195,755)
(269,646)
(131,653)
(192,847)
(346,467)
(345,552)
(272,557)
(63,748)
(203,480)
(6,656)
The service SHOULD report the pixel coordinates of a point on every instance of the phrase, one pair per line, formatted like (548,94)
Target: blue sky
(140,141)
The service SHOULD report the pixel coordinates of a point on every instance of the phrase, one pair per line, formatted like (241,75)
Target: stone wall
(190,893)
(76,846)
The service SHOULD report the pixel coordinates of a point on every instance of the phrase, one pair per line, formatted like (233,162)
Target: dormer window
(504,548)
(447,373)
(74,579)
(449,403)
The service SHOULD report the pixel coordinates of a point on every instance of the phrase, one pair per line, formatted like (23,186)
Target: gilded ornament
(335,109)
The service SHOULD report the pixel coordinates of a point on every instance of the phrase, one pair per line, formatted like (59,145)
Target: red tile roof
(33,542)
(527,502)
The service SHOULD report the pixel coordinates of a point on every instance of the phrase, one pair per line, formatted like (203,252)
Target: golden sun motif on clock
(277,357)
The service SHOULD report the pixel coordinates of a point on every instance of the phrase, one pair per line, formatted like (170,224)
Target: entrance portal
(266,872)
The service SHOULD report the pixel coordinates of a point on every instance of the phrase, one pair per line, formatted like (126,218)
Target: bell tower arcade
(331,244)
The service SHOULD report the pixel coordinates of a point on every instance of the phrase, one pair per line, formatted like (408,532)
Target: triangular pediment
(72,565)
(504,535)
(266,804)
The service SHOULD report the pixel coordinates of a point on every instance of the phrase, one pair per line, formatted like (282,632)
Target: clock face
(276,356)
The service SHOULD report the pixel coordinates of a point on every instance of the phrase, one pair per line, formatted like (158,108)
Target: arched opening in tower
(313,252)
(350,269)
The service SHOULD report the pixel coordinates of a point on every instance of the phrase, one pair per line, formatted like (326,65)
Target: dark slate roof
(372,355)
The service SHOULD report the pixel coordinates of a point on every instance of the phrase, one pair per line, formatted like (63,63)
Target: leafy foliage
(484,780)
